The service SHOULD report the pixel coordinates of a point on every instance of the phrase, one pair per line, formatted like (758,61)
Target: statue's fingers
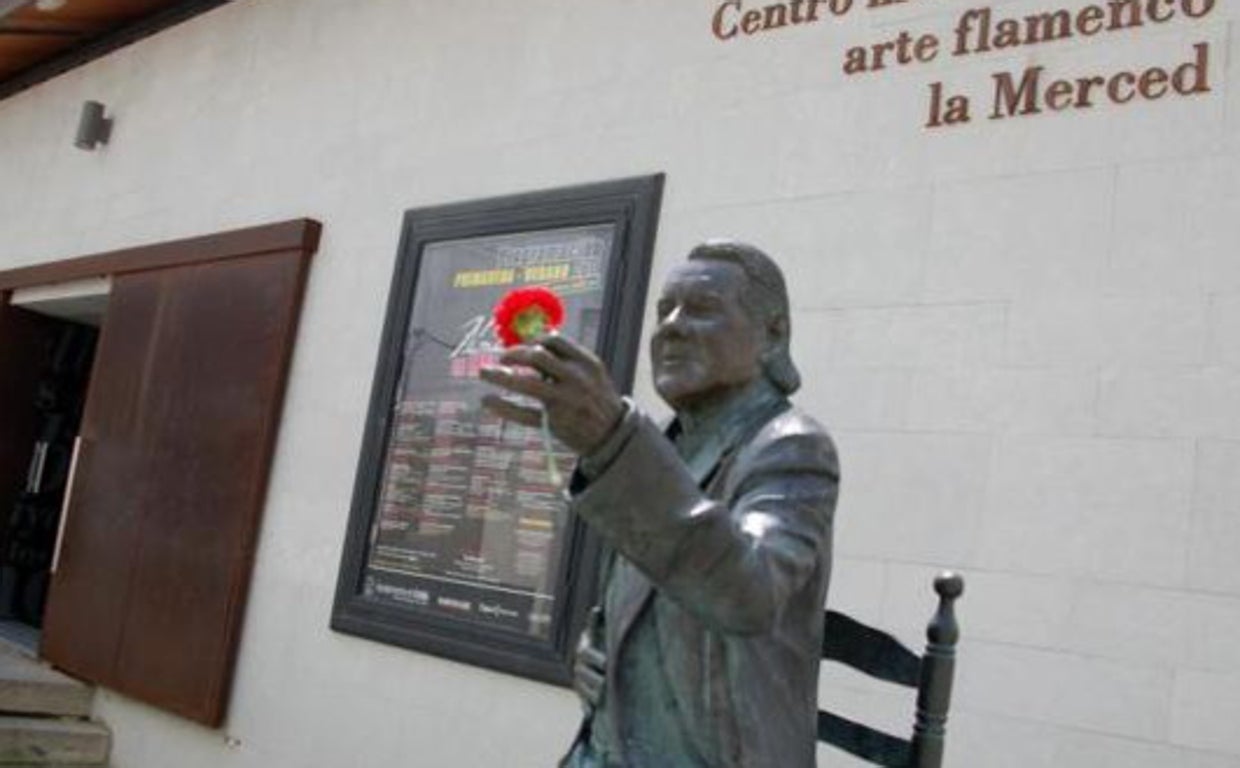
(592,657)
(510,411)
(593,697)
(540,359)
(531,386)
(587,676)
(567,348)
(588,683)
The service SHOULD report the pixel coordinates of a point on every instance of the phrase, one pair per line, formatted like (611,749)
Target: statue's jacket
(732,556)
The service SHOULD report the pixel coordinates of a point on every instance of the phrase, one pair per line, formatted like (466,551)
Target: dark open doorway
(50,344)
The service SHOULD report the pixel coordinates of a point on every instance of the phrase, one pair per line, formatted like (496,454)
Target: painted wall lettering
(1023,92)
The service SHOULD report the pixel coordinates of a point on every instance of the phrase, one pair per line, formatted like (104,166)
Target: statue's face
(705,346)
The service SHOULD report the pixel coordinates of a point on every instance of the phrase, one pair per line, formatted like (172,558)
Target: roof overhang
(40,39)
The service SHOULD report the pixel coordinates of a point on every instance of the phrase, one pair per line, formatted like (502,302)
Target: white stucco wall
(1025,334)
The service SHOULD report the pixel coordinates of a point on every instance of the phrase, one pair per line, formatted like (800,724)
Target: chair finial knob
(943,629)
(949,585)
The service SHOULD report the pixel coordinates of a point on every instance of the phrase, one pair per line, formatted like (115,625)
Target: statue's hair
(766,302)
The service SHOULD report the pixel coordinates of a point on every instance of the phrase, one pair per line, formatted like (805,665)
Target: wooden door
(177,437)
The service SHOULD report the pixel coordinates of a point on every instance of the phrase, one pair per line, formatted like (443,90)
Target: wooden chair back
(879,655)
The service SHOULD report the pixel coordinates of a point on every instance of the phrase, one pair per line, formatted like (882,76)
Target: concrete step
(28,687)
(49,741)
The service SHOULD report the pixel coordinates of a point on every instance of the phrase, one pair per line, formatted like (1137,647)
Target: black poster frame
(631,206)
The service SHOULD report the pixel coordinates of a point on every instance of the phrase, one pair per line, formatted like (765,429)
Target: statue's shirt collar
(703,439)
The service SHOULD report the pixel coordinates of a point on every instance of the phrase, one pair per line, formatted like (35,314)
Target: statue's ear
(777,329)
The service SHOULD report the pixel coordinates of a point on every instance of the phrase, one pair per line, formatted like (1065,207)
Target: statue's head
(722,324)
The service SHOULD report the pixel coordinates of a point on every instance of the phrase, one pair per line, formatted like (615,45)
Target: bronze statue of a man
(705,654)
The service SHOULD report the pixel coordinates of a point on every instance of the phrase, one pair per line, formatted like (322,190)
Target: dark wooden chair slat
(868,650)
(864,742)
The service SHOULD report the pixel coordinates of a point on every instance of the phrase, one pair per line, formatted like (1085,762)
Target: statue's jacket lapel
(632,589)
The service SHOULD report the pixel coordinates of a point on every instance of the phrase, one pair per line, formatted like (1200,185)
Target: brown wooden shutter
(177,437)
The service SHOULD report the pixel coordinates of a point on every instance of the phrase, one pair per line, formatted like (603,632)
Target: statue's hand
(589,671)
(581,403)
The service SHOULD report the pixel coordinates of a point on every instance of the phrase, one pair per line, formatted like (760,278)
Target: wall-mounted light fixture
(93,127)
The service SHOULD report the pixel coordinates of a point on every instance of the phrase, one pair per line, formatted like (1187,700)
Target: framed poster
(459,543)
